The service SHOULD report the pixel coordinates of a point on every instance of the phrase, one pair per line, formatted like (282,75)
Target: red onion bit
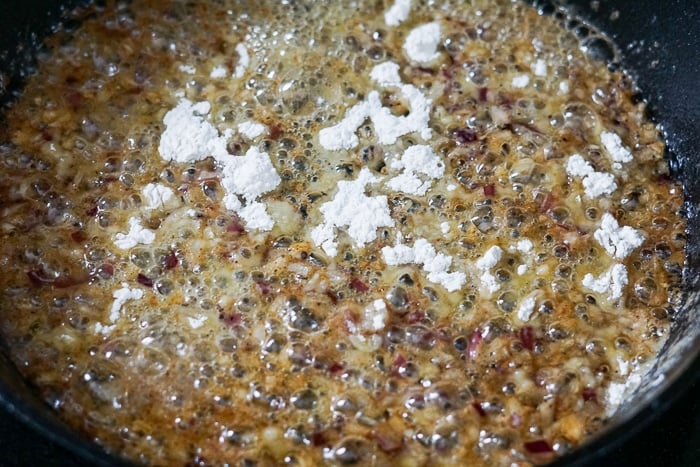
(63,282)
(37,277)
(231,320)
(516,420)
(235,227)
(547,203)
(105,271)
(92,211)
(464,136)
(171,261)
(664,179)
(426,71)
(79,236)
(358,285)
(135,90)
(483,94)
(264,287)
(398,362)
(448,73)
(527,337)
(275,131)
(332,296)
(388,439)
(589,394)
(416,317)
(144,280)
(489,190)
(539,446)
(480,410)
(74,99)
(474,341)
(318,439)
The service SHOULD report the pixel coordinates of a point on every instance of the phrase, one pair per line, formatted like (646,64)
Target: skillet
(657,43)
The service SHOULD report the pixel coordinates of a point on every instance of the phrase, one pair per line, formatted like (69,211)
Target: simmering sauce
(301,233)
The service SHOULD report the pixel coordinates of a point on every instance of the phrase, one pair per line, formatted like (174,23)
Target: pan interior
(650,65)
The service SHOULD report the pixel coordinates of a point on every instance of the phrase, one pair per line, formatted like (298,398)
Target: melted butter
(252,345)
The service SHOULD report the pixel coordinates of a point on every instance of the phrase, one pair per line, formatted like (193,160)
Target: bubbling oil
(245,349)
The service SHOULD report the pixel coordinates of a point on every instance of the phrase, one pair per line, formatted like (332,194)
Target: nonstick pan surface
(658,42)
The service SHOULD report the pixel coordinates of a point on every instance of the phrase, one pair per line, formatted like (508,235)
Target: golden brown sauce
(241,346)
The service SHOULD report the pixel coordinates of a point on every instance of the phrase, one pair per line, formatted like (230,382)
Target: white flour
(435,264)
(594,183)
(418,162)
(121,296)
(136,234)
(617,241)
(397,13)
(251,130)
(611,282)
(159,196)
(188,137)
(388,127)
(351,209)
(243,61)
(616,150)
(422,42)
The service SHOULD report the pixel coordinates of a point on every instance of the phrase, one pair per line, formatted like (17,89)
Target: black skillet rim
(41,418)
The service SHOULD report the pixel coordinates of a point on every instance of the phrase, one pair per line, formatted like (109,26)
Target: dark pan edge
(684,154)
